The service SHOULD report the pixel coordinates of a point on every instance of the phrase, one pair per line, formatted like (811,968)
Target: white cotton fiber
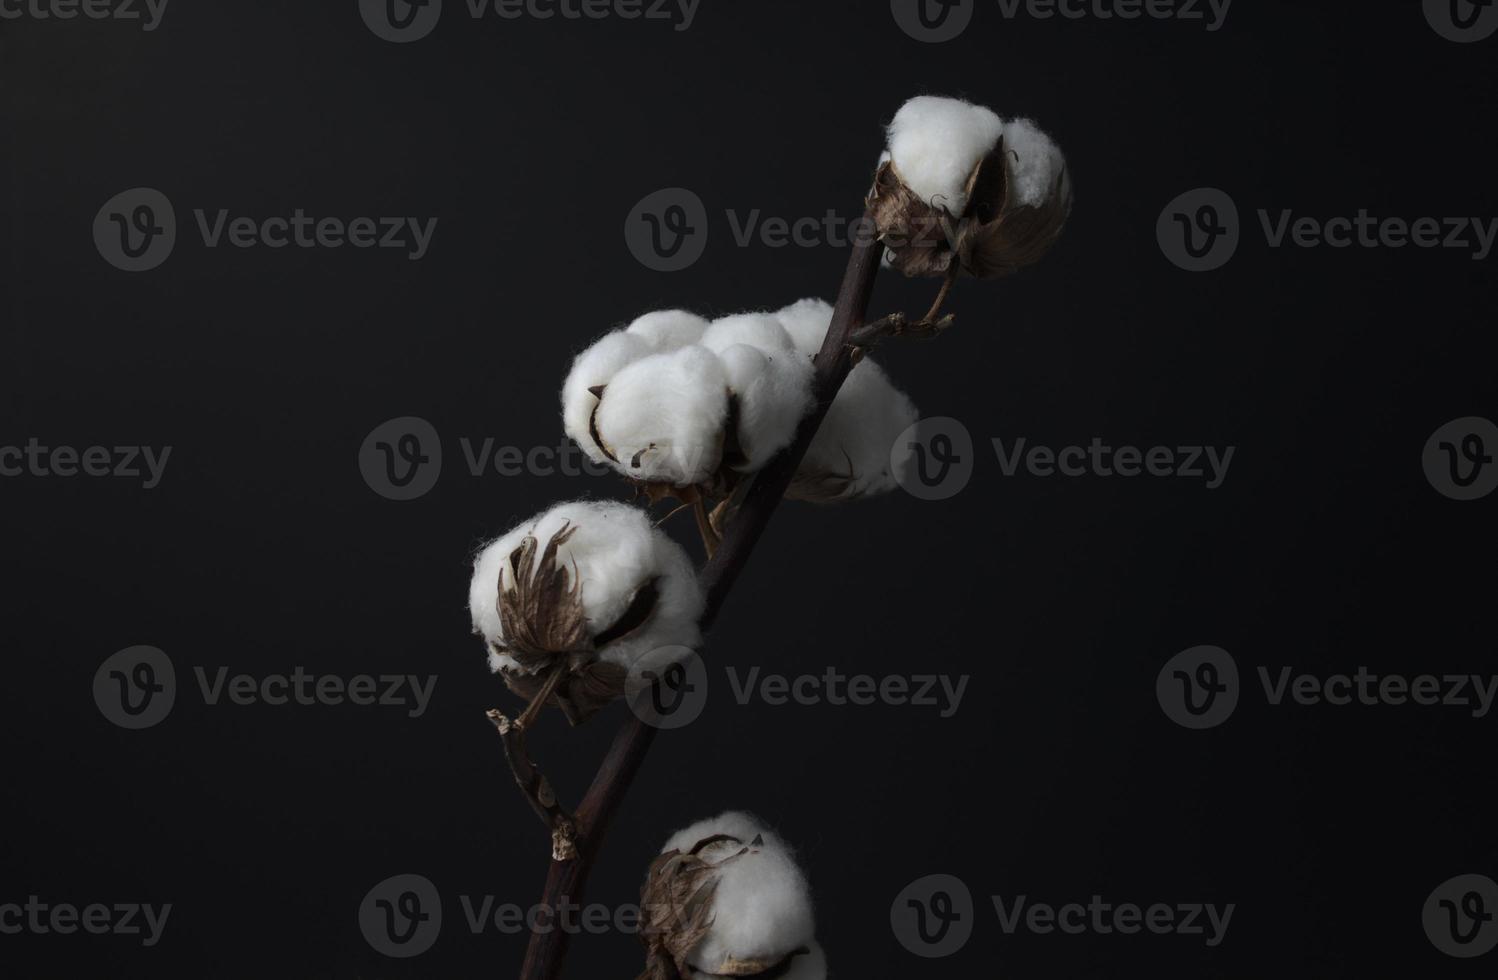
(662,417)
(761,906)
(773,392)
(596,366)
(865,420)
(1034,162)
(936,143)
(613,552)
(666,330)
(761,330)
(665,385)
(863,426)
(807,321)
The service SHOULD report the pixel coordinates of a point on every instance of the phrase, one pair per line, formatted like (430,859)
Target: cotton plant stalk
(686,407)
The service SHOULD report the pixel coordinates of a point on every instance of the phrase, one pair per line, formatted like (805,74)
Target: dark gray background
(263,549)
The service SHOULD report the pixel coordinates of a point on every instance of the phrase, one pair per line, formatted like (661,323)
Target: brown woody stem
(567,878)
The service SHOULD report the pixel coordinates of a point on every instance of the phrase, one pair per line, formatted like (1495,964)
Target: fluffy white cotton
(936,143)
(662,417)
(774,393)
(666,381)
(1034,162)
(596,366)
(667,330)
(807,321)
(762,905)
(760,330)
(859,434)
(863,426)
(614,551)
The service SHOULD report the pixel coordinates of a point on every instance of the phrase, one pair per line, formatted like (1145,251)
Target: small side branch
(534,785)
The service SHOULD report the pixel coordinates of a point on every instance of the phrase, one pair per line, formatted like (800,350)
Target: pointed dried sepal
(915,235)
(542,606)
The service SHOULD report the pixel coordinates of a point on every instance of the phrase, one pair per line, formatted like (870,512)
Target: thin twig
(567,878)
(534,785)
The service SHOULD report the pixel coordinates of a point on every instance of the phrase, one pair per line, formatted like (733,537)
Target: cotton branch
(567,877)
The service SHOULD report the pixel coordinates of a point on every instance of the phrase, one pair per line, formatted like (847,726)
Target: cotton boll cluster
(675,400)
(855,452)
(726,898)
(960,188)
(586,587)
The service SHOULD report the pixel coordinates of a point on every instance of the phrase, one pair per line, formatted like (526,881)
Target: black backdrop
(263,548)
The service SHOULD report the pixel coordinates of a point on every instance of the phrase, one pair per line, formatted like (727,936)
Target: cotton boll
(624,589)
(850,456)
(772,393)
(762,911)
(1034,162)
(807,321)
(761,330)
(593,367)
(734,823)
(936,144)
(668,330)
(726,897)
(661,418)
